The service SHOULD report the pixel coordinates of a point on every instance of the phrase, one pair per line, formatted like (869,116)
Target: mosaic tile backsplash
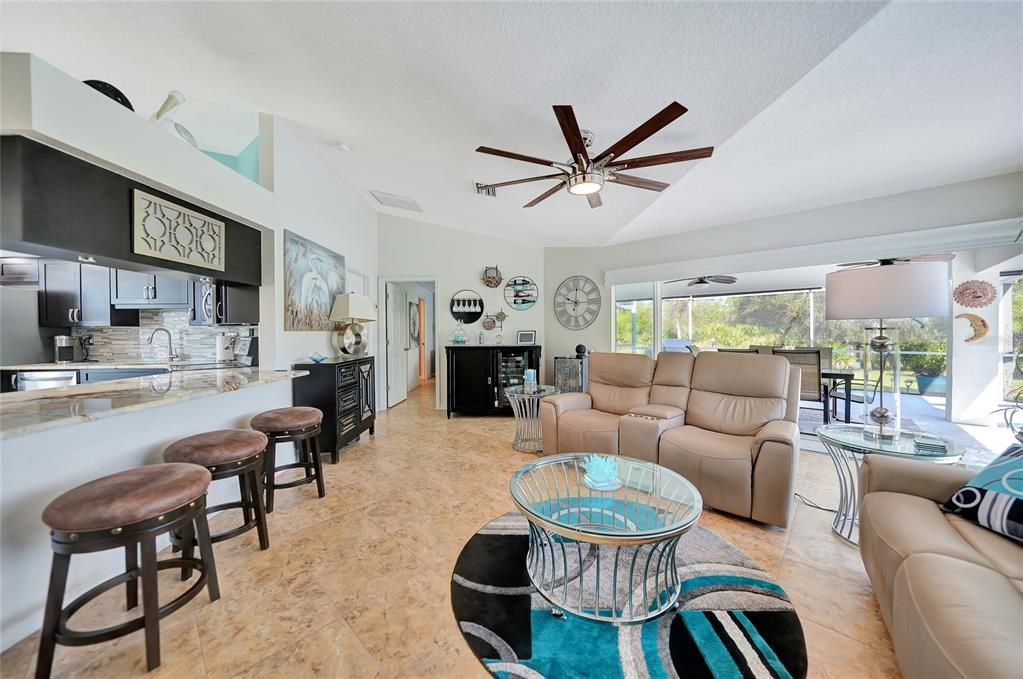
(193,343)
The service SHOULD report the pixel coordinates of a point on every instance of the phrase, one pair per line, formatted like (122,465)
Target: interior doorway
(410,346)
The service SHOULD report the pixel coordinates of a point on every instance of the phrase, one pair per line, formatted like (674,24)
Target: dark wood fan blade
(595,200)
(643,132)
(570,128)
(663,158)
(515,156)
(638,182)
(726,280)
(545,195)
(522,181)
(866,263)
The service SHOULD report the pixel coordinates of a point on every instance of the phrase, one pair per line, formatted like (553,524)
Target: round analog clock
(577,302)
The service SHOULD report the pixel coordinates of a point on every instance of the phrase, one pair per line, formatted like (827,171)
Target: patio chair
(812,386)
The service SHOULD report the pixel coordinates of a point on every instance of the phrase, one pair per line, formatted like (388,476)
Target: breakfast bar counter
(52,440)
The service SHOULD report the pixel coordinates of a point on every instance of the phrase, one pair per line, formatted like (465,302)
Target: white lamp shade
(911,290)
(353,308)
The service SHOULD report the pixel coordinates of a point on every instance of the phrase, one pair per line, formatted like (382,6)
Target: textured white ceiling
(926,94)
(413,88)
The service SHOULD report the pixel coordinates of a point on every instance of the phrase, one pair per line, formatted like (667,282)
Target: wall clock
(577,302)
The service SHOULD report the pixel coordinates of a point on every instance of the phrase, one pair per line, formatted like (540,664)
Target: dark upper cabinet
(78,294)
(19,270)
(237,304)
(60,293)
(478,376)
(134,289)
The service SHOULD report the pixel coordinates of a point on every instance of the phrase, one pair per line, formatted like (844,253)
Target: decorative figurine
(601,472)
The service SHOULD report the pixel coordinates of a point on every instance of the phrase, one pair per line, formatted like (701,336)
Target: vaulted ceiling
(808,103)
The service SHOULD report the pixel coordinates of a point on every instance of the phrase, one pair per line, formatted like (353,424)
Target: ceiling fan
(887,261)
(705,281)
(585,176)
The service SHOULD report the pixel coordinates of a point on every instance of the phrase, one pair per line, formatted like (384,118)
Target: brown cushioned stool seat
(228,453)
(286,419)
(216,448)
(126,497)
(128,510)
(300,424)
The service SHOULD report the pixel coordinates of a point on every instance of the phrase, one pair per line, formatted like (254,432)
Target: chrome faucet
(171,354)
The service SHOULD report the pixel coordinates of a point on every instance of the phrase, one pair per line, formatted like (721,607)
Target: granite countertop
(26,412)
(99,365)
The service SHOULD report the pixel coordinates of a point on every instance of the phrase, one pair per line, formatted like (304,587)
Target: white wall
(975,372)
(313,202)
(417,251)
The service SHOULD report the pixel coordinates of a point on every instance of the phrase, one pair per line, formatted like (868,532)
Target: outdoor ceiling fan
(705,281)
(585,176)
(886,261)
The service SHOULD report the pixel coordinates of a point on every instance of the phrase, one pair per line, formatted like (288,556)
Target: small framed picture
(525,337)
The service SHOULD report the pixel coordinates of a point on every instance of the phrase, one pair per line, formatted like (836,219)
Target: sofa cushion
(657,411)
(955,618)
(737,393)
(719,465)
(672,379)
(1005,555)
(588,431)
(619,382)
(994,497)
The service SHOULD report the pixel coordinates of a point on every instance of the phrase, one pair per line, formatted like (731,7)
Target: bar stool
(226,454)
(297,423)
(128,509)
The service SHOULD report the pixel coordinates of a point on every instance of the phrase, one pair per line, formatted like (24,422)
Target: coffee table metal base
(847,466)
(620,584)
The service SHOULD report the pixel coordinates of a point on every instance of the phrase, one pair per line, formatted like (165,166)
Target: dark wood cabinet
(478,375)
(135,289)
(74,294)
(344,389)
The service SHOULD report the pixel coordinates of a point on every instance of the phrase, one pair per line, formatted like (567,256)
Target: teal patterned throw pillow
(994,497)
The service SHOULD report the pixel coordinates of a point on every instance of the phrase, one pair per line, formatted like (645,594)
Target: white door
(397,345)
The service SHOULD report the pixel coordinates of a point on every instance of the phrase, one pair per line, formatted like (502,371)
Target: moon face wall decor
(979,325)
(466,306)
(577,302)
(520,292)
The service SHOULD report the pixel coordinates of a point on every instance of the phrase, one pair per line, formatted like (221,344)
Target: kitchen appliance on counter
(221,303)
(43,379)
(67,349)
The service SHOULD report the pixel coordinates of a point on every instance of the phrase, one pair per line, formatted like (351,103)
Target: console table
(344,389)
(477,376)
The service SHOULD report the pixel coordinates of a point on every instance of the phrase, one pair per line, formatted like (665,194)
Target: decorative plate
(974,294)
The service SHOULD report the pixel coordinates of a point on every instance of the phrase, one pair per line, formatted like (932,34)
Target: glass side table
(847,444)
(526,406)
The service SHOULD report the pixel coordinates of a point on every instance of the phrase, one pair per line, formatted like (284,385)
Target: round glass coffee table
(526,407)
(847,444)
(603,546)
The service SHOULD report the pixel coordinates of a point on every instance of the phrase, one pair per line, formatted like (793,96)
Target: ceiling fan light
(585,183)
(700,283)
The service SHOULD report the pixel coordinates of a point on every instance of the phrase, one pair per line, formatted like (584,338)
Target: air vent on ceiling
(485,190)
(391,200)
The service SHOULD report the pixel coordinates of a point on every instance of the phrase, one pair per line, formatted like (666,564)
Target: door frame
(381,340)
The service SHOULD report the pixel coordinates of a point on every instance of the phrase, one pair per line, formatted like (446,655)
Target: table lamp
(351,311)
(892,289)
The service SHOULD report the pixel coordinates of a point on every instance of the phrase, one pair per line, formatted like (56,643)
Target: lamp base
(880,433)
(349,339)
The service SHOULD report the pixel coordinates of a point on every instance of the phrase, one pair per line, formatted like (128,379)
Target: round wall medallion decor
(577,302)
(491,277)
(466,306)
(489,323)
(974,294)
(979,326)
(521,293)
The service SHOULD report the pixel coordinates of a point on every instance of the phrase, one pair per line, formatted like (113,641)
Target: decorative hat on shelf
(352,310)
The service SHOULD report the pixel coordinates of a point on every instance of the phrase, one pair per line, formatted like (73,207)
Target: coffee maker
(67,349)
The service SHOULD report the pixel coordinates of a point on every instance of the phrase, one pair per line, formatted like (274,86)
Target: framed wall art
(313,277)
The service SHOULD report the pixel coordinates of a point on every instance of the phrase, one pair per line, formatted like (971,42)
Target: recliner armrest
(658,412)
(777,431)
(937,482)
(565,402)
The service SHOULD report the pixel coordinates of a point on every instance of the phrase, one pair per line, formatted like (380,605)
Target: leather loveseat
(727,422)
(950,592)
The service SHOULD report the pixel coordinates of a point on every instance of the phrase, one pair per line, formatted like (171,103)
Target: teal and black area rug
(733,619)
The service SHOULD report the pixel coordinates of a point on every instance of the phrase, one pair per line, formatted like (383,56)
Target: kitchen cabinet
(19,270)
(219,303)
(344,389)
(478,375)
(135,289)
(74,294)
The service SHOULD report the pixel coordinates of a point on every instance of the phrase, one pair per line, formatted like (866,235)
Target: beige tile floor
(356,584)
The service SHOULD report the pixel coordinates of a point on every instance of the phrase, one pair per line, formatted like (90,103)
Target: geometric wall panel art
(168,231)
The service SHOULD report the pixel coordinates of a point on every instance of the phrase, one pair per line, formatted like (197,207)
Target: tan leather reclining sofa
(950,592)
(727,422)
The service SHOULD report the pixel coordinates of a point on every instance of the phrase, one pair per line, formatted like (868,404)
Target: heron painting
(313,276)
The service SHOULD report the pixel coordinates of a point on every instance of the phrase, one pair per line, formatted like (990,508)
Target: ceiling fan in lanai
(585,176)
